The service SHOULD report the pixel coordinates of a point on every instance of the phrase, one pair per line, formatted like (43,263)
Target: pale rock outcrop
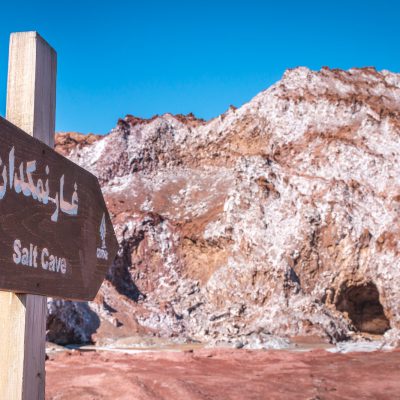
(279,218)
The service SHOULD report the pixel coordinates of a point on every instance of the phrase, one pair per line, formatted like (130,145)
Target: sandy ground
(224,375)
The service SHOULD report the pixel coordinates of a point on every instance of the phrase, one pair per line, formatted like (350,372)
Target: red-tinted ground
(223,375)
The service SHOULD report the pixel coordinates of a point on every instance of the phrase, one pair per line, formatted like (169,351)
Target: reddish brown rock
(65,142)
(276,218)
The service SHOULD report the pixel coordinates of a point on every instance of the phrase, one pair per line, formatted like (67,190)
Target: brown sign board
(56,236)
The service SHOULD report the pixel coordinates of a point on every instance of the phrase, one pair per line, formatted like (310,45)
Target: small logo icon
(102,252)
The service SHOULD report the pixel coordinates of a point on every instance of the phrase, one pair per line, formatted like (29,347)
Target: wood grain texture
(22,356)
(31,85)
(73,238)
(31,106)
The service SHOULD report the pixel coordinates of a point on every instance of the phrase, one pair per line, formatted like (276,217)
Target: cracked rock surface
(276,219)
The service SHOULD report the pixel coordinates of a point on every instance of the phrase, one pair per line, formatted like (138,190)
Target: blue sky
(150,57)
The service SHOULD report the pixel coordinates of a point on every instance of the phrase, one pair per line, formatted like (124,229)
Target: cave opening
(362,305)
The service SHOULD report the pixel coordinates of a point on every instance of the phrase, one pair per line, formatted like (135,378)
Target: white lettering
(45,253)
(28,256)
(63,266)
(51,262)
(25,256)
(21,180)
(17,251)
(102,253)
(35,256)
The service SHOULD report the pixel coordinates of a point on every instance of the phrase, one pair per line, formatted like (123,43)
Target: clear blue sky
(150,57)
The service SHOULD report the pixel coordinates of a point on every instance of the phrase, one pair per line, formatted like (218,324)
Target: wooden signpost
(56,236)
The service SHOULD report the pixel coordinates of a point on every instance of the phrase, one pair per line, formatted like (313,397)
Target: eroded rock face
(258,222)
(64,142)
(70,322)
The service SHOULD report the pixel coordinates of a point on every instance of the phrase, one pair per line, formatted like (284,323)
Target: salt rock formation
(67,141)
(278,218)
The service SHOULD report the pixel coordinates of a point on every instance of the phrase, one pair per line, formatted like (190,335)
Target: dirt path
(223,375)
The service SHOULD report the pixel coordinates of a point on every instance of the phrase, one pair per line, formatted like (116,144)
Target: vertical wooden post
(31,94)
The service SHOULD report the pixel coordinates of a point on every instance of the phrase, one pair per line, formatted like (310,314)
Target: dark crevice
(363,307)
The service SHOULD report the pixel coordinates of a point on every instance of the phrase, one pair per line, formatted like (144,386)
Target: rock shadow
(70,322)
(119,274)
(363,306)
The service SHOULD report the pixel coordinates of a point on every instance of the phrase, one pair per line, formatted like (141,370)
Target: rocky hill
(276,219)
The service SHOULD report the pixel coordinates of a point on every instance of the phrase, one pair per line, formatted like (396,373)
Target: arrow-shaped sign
(56,236)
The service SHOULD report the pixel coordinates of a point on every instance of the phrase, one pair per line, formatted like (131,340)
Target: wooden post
(31,94)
